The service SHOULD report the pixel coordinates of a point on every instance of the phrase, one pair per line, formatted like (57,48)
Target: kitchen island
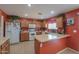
(50,43)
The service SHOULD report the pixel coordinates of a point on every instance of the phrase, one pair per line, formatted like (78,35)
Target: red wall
(3,14)
(5,19)
(51,20)
(73,41)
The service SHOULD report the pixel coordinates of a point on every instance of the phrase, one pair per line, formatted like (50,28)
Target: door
(13,32)
(8,31)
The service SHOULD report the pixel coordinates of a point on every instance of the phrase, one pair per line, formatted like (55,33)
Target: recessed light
(52,12)
(26,15)
(29,5)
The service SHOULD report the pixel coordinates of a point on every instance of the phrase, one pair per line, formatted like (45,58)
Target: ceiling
(38,11)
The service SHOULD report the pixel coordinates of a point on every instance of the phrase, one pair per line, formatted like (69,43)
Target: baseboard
(61,51)
(73,50)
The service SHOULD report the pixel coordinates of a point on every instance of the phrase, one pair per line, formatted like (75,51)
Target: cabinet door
(24,23)
(24,37)
(59,22)
(38,24)
(44,24)
(37,46)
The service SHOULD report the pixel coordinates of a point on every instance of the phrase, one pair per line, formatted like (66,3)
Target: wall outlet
(74,31)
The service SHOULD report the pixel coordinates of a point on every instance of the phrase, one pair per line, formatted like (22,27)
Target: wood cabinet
(24,23)
(24,36)
(37,46)
(59,22)
(50,47)
(38,23)
(44,24)
(5,47)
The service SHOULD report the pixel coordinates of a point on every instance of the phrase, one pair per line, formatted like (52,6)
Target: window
(52,26)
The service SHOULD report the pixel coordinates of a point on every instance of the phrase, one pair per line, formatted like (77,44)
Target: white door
(15,33)
(12,32)
(8,31)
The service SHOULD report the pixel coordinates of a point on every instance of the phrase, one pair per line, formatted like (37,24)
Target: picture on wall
(70,21)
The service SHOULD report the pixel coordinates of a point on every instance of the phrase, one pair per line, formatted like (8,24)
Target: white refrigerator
(13,32)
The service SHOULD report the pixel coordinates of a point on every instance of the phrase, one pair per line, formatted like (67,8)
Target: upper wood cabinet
(59,22)
(44,24)
(24,23)
(38,23)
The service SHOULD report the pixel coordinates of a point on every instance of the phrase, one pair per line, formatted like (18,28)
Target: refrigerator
(13,32)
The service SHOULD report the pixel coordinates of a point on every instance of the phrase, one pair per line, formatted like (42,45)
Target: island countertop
(47,37)
(2,40)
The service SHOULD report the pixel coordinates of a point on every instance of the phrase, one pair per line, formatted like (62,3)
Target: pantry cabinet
(59,22)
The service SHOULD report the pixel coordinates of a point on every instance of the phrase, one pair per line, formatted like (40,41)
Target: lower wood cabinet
(5,48)
(37,46)
(24,36)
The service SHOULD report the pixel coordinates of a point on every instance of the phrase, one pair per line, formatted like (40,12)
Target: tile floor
(28,48)
(23,48)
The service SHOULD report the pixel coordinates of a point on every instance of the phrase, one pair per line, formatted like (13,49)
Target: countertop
(2,40)
(47,37)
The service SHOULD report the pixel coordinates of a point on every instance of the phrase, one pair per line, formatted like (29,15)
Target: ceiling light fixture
(26,15)
(52,12)
(29,5)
